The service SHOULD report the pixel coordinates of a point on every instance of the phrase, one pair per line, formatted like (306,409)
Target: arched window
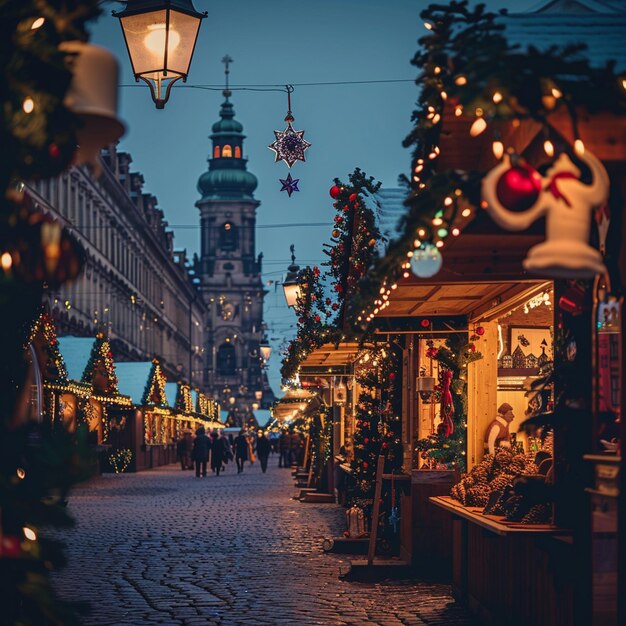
(229,237)
(216,152)
(226,360)
(237,152)
(227,151)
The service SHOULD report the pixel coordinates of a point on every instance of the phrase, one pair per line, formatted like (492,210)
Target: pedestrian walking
(181,448)
(217,452)
(241,450)
(294,446)
(283,449)
(200,454)
(251,457)
(186,460)
(263,447)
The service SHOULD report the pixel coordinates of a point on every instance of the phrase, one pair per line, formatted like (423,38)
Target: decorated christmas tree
(377,418)
(154,393)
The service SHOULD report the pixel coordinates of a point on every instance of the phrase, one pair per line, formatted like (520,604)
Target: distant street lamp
(290,282)
(232,400)
(255,406)
(266,350)
(258,395)
(160,36)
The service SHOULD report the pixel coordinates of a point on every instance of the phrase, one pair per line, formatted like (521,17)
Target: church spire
(227,60)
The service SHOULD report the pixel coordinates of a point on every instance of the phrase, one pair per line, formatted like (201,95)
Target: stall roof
(331,355)
(75,352)
(601,25)
(171,389)
(263,417)
(133,378)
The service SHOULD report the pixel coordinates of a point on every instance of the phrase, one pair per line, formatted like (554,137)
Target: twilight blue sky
(280,42)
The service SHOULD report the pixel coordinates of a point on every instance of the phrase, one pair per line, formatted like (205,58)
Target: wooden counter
(495,523)
(507,573)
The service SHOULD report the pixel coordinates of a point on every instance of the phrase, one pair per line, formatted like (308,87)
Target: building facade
(230,273)
(134,283)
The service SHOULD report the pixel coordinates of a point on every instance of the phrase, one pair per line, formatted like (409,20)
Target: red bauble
(472,347)
(365,464)
(335,191)
(366,440)
(317,318)
(54,151)
(480,331)
(353,197)
(384,446)
(518,188)
(392,376)
(425,323)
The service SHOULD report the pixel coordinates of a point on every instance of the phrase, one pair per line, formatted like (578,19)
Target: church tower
(230,271)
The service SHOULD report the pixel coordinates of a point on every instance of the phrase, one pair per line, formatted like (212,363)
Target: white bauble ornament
(426,261)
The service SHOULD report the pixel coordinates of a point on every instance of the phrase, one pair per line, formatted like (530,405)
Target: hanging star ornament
(289,184)
(290,144)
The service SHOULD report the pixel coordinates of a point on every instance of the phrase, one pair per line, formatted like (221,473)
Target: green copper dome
(228,184)
(227,177)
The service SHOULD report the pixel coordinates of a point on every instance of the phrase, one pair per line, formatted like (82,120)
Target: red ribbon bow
(554,189)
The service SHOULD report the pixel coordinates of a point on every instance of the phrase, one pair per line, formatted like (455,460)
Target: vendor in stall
(497,433)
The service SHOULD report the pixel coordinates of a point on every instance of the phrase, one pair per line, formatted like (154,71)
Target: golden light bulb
(155,39)
(548,147)
(478,126)
(444,95)
(458,110)
(497,97)
(556,92)
(498,149)
(447,201)
(456,232)
(437,221)
(421,232)
(417,243)
(38,23)
(579,147)
(6,260)
(28,105)
(428,26)
(439,244)
(466,212)
(460,80)
(29,533)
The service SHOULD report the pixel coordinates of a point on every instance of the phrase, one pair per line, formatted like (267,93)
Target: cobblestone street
(162,547)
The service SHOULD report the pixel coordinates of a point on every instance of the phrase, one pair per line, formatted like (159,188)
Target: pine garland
(454,357)
(469,69)
(54,368)
(154,391)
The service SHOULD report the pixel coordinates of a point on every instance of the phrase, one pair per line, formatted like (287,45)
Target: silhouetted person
(217,453)
(241,450)
(263,446)
(200,454)
(284,443)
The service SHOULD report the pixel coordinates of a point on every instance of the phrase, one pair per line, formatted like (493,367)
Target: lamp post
(290,281)
(266,350)
(160,36)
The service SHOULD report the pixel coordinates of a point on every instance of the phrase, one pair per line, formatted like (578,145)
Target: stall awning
(75,351)
(330,358)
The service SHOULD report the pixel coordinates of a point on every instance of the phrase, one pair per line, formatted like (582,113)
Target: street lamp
(266,350)
(160,36)
(290,281)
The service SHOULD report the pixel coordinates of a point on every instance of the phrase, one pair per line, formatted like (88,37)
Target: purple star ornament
(289,184)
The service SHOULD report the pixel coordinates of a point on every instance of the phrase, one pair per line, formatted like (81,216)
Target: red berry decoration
(353,197)
(366,440)
(365,464)
(335,191)
(518,188)
(472,347)
(384,446)
(392,376)
(425,323)
(480,331)
(317,318)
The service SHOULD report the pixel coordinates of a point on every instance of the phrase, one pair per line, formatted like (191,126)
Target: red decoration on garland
(447,406)
(353,197)
(480,331)
(519,187)
(425,323)
(392,376)
(335,191)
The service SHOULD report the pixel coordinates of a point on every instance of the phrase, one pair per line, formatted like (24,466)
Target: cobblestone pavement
(163,547)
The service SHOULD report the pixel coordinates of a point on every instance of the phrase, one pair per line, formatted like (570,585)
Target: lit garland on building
(120,460)
(100,369)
